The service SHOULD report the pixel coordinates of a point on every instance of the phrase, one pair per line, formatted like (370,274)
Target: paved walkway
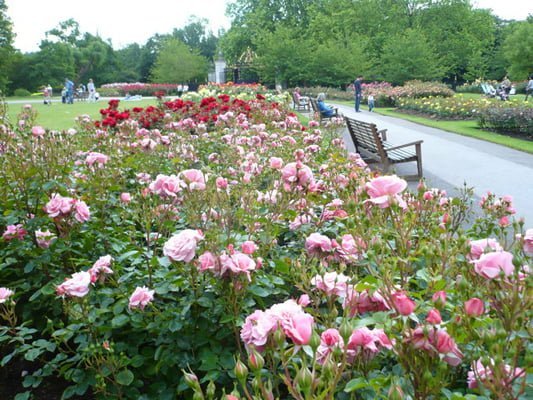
(451,160)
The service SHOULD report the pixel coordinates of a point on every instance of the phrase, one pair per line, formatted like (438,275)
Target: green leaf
(23,396)
(119,320)
(354,384)
(259,291)
(125,377)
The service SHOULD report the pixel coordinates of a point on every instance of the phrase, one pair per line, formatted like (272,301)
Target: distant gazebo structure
(243,70)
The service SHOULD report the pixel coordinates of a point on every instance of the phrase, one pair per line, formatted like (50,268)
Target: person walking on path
(92,91)
(357,85)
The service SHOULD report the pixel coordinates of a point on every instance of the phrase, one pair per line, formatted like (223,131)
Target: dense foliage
(219,246)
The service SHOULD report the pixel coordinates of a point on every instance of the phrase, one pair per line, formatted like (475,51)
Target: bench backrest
(365,137)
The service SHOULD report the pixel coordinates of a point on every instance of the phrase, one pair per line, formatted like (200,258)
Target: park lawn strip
(61,116)
(462,127)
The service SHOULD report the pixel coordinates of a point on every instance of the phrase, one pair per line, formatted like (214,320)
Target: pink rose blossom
(480,373)
(38,131)
(101,268)
(317,244)
(58,206)
(76,286)
(81,211)
(331,283)
(304,300)
(5,294)
(385,190)
(238,263)
(403,304)
(439,298)
(166,186)
(182,246)
(249,247)
(44,239)
(435,341)
(329,340)
(528,242)
(474,307)
(221,183)
(125,198)
(434,317)
(207,261)
(141,297)
(194,179)
(14,232)
(478,247)
(491,265)
(362,302)
(276,162)
(257,327)
(96,158)
(366,343)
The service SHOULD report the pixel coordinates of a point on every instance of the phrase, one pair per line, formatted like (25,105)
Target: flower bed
(137,88)
(512,119)
(227,248)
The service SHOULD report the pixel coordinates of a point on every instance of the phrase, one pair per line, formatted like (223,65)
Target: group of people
(328,111)
(67,94)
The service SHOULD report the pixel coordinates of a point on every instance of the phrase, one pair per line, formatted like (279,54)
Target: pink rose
(367,343)
(76,286)
(5,294)
(276,162)
(300,328)
(58,206)
(528,242)
(238,263)
(385,190)
(194,179)
(490,265)
(304,300)
(96,158)
(478,247)
(257,327)
(331,283)
(439,298)
(434,317)
(141,297)
(166,186)
(101,268)
(474,307)
(297,174)
(81,211)
(221,183)
(329,340)
(125,198)
(480,373)
(207,261)
(38,131)
(249,247)
(44,239)
(403,304)
(317,244)
(182,246)
(14,232)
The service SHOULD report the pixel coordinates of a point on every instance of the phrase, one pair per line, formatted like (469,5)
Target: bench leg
(419,159)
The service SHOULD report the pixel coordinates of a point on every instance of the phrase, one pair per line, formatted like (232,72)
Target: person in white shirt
(92,91)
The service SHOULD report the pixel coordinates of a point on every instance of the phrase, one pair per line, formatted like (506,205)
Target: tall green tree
(196,35)
(177,63)
(518,50)
(409,56)
(7,51)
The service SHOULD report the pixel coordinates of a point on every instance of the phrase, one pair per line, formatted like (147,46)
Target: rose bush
(255,252)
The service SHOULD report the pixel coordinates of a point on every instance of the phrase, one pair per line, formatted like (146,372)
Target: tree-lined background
(295,42)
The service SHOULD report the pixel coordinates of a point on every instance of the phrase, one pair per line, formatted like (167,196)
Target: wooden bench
(316,110)
(81,96)
(298,105)
(372,144)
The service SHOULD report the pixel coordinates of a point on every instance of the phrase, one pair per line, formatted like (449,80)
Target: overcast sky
(134,21)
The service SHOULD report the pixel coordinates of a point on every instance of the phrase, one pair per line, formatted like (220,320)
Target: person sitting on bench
(325,110)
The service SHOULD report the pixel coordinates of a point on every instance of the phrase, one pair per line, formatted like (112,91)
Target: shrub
(508,120)
(22,93)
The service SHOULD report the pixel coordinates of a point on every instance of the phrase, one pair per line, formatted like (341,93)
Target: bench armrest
(404,145)
(383,134)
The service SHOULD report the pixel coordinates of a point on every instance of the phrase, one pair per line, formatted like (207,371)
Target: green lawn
(465,128)
(60,116)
